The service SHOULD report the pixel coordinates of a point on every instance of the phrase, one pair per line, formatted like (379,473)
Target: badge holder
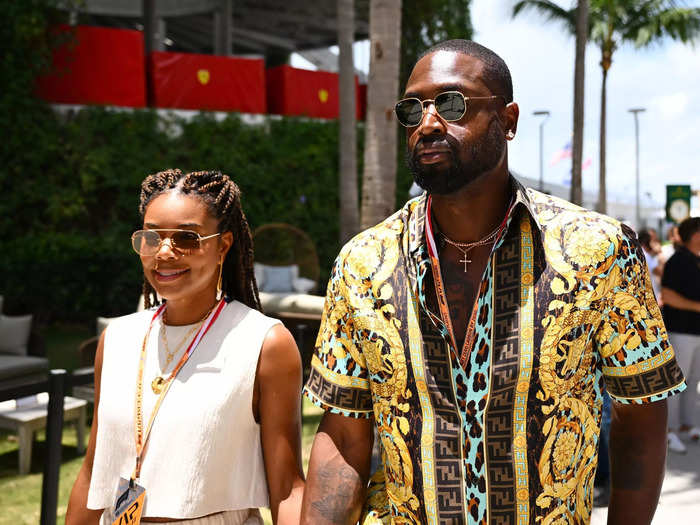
(128,506)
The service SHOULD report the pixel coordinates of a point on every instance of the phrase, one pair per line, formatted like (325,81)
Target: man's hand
(338,471)
(637,461)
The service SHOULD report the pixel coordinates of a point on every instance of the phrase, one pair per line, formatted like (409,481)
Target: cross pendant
(465,261)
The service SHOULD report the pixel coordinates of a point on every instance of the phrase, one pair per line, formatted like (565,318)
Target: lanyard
(141,438)
(440,287)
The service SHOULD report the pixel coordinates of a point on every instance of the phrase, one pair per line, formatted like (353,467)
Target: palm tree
(579,77)
(575,20)
(641,22)
(379,178)
(347,134)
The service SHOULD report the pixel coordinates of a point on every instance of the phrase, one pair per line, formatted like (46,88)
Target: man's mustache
(445,143)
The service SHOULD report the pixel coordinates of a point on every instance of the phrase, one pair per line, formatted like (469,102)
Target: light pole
(635,112)
(541,113)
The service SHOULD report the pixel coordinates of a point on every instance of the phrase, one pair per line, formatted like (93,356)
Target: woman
(201,386)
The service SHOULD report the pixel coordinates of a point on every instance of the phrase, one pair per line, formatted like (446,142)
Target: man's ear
(511,113)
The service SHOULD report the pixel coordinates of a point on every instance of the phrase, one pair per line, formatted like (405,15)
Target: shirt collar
(417,208)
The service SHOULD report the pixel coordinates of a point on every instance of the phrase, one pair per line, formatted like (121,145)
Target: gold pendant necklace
(160,380)
(157,385)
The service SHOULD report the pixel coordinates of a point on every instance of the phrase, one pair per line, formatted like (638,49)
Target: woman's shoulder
(117,324)
(239,312)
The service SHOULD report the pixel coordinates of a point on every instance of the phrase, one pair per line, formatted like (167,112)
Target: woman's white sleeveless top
(204,454)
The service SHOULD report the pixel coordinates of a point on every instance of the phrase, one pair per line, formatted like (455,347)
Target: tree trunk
(347,143)
(579,77)
(602,197)
(379,179)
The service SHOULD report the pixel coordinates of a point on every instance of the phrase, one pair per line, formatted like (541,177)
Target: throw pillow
(303,285)
(279,278)
(259,270)
(14,334)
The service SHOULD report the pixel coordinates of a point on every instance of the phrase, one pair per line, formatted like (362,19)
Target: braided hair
(223,199)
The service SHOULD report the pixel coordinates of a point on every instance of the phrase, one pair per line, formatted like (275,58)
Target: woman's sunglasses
(148,242)
(450,105)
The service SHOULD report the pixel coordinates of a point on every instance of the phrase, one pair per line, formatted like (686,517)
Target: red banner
(97,66)
(292,91)
(192,81)
(361,101)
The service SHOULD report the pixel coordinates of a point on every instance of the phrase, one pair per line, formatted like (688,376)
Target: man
(681,293)
(474,329)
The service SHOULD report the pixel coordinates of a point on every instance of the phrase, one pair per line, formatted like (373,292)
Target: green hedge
(70,187)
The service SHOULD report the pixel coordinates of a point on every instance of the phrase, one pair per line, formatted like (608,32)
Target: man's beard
(484,156)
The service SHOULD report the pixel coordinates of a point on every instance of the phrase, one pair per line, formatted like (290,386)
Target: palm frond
(550,10)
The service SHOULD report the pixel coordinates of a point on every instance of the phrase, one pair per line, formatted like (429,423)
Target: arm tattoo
(341,496)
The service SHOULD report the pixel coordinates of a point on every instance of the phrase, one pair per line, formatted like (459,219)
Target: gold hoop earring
(219,288)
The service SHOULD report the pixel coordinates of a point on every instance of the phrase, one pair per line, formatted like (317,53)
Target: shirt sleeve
(338,381)
(673,275)
(639,364)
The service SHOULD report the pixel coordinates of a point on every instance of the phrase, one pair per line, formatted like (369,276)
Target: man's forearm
(637,460)
(334,494)
(676,300)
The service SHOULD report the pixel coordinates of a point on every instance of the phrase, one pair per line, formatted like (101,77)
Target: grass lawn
(20,496)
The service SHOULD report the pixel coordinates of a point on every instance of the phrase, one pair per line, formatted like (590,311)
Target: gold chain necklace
(159,381)
(466,247)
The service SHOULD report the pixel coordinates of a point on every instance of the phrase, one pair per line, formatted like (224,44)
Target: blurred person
(681,294)
(652,253)
(475,328)
(197,399)
(674,242)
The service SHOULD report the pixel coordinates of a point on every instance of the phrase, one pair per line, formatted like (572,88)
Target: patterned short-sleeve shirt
(507,434)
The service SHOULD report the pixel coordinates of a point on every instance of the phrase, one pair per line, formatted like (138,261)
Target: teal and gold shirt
(508,433)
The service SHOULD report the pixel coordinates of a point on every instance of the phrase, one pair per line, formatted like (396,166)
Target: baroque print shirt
(508,433)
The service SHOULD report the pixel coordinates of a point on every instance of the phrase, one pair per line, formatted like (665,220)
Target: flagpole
(542,113)
(635,112)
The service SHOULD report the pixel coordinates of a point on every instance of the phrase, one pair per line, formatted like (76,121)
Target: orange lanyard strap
(141,438)
(440,287)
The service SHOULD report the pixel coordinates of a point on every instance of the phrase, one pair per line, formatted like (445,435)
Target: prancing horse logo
(203,76)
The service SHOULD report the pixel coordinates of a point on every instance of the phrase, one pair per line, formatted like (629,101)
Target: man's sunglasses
(148,242)
(450,105)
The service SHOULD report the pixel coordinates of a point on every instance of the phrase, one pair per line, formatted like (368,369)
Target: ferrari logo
(323,95)
(203,76)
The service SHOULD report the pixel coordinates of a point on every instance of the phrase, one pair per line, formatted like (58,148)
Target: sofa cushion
(12,366)
(14,333)
(294,303)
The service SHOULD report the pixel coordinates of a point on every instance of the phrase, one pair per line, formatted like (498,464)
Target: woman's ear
(225,243)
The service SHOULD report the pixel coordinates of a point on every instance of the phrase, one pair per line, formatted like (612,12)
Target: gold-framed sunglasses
(148,242)
(450,105)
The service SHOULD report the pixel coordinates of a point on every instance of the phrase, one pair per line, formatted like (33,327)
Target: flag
(586,163)
(564,153)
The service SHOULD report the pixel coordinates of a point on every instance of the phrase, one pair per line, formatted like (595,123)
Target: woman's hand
(78,513)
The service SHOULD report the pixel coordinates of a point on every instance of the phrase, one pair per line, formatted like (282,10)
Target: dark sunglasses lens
(450,106)
(409,111)
(185,240)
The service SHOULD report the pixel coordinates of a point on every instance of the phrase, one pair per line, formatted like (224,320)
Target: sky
(664,79)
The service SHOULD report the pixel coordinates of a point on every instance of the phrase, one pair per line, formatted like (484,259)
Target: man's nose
(431,123)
